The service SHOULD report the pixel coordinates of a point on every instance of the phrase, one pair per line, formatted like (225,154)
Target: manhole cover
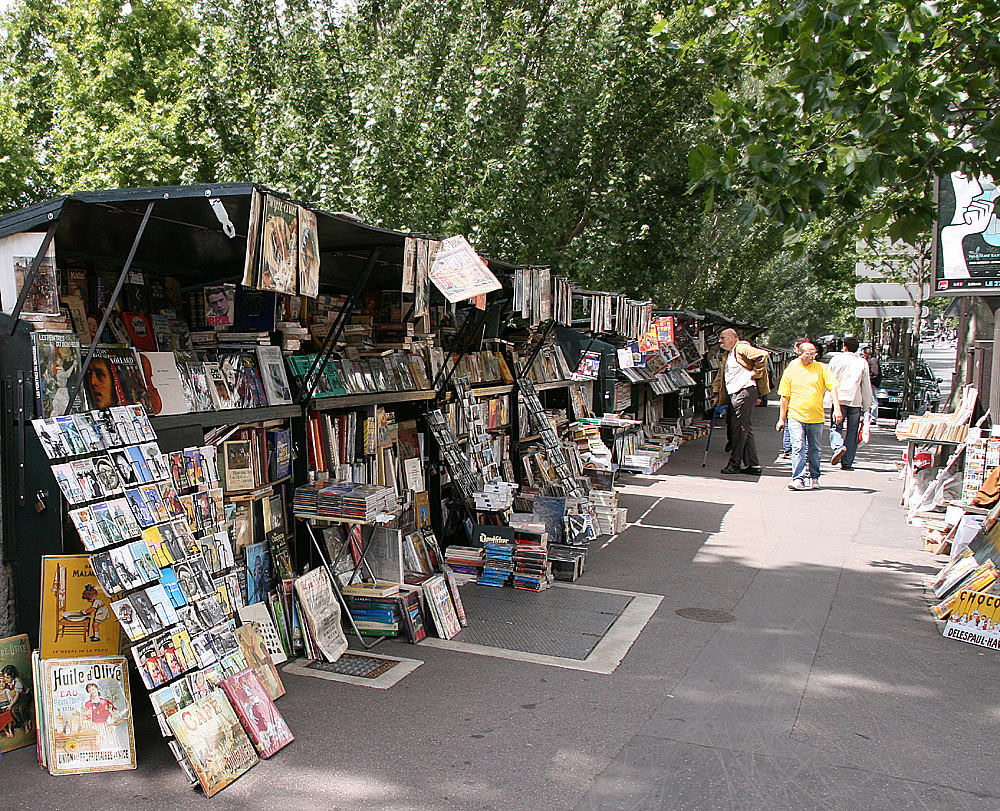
(704,615)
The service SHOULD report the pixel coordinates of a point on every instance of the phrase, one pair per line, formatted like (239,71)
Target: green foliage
(825,107)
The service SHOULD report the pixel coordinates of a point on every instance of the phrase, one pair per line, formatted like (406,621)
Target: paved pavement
(831,689)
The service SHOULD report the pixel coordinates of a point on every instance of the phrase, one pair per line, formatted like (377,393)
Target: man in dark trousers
(741,381)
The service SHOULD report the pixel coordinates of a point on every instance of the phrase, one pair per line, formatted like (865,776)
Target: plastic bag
(865,429)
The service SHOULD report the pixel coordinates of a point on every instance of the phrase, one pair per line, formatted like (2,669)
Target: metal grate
(365,667)
(704,615)
(564,622)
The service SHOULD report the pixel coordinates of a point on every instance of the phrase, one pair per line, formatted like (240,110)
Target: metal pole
(110,306)
(29,280)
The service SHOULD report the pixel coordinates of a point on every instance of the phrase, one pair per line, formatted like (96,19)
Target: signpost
(899,311)
(889,292)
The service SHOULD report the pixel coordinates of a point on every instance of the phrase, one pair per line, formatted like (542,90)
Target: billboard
(967,237)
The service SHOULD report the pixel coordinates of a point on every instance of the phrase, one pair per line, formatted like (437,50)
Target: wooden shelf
(555,384)
(370,398)
(492,391)
(231,416)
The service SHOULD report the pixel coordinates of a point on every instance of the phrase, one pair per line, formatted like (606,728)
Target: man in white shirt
(740,382)
(855,394)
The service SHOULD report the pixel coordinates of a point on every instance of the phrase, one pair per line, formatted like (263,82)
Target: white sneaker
(813,484)
(838,455)
(798,484)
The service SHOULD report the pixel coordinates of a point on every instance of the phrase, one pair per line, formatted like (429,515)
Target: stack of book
(386,609)
(609,518)
(532,570)
(498,564)
(343,501)
(465,560)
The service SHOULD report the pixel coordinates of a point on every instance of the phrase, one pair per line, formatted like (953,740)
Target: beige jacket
(752,359)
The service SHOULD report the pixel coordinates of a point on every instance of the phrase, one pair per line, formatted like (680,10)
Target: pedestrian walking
(855,394)
(741,380)
(801,390)
(786,437)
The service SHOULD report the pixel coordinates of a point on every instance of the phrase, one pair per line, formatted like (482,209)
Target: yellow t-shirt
(804,387)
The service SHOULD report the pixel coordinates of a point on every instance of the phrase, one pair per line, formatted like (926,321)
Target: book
(321,612)
(254,310)
(139,327)
(88,715)
(56,363)
(272,372)
(237,467)
(257,615)
(163,383)
(260,718)
(441,608)
(366,589)
(17,694)
(279,451)
(214,741)
(114,378)
(75,618)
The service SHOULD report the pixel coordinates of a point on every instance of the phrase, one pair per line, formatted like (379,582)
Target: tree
(825,106)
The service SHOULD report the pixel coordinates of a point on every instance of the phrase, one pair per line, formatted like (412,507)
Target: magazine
(214,741)
(459,273)
(114,378)
(272,372)
(219,304)
(88,715)
(279,246)
(321,612)
(308,253)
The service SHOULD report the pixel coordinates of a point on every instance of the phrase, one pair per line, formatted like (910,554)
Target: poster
(16,255)
(589,367)
(459,273)
(975,619)
(17,695)
(89,715)
(76,618)
(968,236)
(321,612)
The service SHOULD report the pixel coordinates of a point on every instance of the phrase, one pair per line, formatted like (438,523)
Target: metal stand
(330,567)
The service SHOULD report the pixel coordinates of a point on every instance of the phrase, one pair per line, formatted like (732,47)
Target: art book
(88,715)
(321,612)
(238,465)
(163,382)
(17,694)
(214,741)
(56,360)
(76,617)
(261,719)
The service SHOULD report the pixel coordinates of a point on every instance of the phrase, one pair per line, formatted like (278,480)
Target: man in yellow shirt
(801,390)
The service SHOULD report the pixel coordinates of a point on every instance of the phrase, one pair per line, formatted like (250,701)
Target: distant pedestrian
(741,380)
(855,394)
(874,367)
(801,389)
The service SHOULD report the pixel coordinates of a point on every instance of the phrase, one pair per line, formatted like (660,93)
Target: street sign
(886,291)
(885,312)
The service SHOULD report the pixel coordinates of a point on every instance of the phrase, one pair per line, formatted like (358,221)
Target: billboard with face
(967,237)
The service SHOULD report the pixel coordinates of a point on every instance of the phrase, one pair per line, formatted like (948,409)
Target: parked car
(889,392)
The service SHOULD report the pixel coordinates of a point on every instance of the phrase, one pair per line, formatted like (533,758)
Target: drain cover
(704,615)
(367,667)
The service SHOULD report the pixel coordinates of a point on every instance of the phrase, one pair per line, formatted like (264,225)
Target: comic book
(88,715)
(260,718)
(214,741)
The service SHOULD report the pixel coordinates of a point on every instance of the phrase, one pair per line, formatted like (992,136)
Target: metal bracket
(222,216)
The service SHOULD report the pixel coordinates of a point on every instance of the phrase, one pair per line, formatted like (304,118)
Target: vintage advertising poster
(975,619)
(17,252)
(17,694)
(968,235)
(279,246)
(322,613)
(76,618)
(459,273)
(308,253)
(261,719)
(214,741)
(89,716)
(57,369)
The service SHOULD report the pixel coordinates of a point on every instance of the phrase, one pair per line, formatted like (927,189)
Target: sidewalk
(831,689)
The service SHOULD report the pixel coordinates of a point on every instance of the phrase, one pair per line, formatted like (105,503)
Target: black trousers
(744,450)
